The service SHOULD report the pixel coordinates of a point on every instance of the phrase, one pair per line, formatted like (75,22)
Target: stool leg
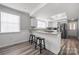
(40,44)
(34,39)
(29,39)
(35,44)
(44,44)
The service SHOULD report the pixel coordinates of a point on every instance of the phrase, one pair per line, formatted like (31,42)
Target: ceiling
(24,7)
(46,10)
(51,9)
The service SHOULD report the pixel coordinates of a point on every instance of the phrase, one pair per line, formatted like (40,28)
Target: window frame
(18,23)
(44,22)
(72,26)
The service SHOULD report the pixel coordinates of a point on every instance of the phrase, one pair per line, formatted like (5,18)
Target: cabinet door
(54,24)
(33,22)
(50,24)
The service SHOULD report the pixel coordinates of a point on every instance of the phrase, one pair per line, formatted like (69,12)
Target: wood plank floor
(23,49)
(69,47)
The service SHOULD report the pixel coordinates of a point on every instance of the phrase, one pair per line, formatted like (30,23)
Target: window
(72,26)
(10,22)
(41,24)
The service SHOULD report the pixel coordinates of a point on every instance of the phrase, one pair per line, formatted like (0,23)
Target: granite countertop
(44,32)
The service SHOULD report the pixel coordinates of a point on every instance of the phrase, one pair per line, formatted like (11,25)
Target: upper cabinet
(33,22)
(39,24)
(52,24)
(43,24)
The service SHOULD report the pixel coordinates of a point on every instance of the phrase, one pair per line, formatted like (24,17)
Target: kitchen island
(52,40)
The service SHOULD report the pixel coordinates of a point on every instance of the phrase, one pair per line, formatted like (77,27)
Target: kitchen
(50,30)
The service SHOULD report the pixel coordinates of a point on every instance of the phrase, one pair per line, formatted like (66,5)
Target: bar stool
(32,38)
(40,42)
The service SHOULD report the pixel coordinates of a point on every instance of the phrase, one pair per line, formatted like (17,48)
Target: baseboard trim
(12,45)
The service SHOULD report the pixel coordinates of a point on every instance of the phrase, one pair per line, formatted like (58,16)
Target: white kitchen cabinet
(52,24)
(33,22)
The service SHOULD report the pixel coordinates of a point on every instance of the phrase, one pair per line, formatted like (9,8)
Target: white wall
(13,38)
(78,29)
